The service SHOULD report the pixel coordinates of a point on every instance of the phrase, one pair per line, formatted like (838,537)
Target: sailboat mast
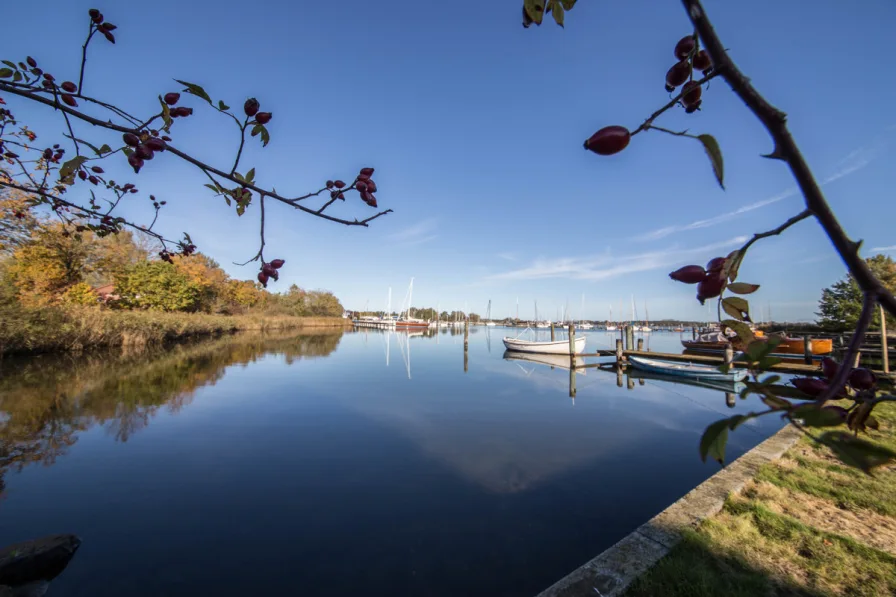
(410,298)
(389,304)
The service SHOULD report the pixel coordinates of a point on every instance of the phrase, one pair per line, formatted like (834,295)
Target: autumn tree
(841,304)
(156,286)
(48,263)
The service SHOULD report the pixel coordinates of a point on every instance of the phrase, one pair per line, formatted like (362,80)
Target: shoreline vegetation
(64,329)
(806,525)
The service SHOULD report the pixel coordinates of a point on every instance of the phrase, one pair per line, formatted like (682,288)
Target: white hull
(646,329)
(491,324)
(558,347)
(612,328)
(585,326)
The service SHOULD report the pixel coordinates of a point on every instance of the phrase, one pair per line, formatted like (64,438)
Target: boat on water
(716,343)
(406,322)
(541,347)
(689,370)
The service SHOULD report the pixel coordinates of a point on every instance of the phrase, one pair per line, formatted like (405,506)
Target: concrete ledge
(611,572)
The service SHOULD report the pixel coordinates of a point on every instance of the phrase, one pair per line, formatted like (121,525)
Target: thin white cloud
(852,162)
(416,234)
(708,222)
(889,249)
(603,267)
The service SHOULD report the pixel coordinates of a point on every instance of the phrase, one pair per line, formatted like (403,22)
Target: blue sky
(475,128)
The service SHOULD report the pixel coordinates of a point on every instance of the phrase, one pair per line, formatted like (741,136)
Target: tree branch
(90,33)
(786,149)
(671,104)
(776,231)
(188,158)
(858,337)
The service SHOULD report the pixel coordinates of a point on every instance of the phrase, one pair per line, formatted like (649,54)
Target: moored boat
(690,370)
(557,347)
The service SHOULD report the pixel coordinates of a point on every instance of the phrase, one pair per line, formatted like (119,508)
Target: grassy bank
(806,525)
(56,329)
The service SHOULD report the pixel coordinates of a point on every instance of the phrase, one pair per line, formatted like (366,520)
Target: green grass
(56,329)
(752,548)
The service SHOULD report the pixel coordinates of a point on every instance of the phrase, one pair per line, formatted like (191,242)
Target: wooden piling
(552,332)
(885,351)
(629,338)
(572,382)
(640,344)
(630,383)
(619,373)
(693,333)
(729,354)
(466,345)
(572,341)
(619,353)
(807,349)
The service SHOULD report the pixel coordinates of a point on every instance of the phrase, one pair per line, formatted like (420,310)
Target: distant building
(106,293)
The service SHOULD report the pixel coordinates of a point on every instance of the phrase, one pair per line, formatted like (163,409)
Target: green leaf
(238,176)
(222,106)
(771,379)
(757,349)
(10,64)
(166,115)
(736,307)
(250,176)
(69,168)
(265,136)
(715,157)
(557,12)
(535,10)
(713,441)
(766,363)
(735,258)
(856,452)
(776,402)
(568,4)
(743,331)
(737,420)
(195,90)
(6,73)
(17,76)
(104,149)
(214,188)
(813,416)
(743,287)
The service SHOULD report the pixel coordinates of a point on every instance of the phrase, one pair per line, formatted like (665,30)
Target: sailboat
(635,328)
(584,325)
(540,324)
(409,322)
(646,326)
(611,325)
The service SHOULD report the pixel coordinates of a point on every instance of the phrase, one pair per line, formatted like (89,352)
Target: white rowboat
(558,347)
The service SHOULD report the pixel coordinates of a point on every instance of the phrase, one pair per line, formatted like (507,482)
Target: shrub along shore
(57,329)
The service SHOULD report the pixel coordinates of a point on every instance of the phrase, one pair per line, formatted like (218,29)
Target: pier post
(619,372)
(619,354)
(466,345)
(572,341)
(630,382)
(885,350)
(640,344)
(807,349)
(693,333)
(729,354)
(572,382)
(629,338)
(552,331)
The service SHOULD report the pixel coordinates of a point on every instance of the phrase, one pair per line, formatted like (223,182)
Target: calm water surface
(362,463)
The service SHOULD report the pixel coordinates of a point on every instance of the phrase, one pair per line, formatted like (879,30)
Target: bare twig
(775,121)
(260,254)
(776,231)
(92,30)
(671,104)
(293,201)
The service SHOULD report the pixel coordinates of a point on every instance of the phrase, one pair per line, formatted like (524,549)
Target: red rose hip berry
(685,46)
(609,140)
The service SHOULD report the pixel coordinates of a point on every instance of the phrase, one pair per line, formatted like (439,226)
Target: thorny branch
(869,304)
(786,149)
(260,254)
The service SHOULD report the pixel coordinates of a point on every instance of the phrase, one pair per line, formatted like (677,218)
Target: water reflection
(46,401)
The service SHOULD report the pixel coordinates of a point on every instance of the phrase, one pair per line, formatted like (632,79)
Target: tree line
(48,263)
